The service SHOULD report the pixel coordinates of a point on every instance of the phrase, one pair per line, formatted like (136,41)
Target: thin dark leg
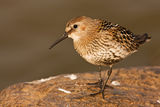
(100,79)
(105,82)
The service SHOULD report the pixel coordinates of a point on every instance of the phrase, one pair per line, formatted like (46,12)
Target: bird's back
(122,35)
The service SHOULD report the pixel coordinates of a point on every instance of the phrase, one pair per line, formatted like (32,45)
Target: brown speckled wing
(120,34)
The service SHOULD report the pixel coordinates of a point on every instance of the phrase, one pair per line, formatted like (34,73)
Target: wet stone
(136,87)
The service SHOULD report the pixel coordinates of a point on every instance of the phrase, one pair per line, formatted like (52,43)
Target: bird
(101,42)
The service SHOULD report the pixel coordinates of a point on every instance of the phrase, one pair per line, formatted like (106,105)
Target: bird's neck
(82,45)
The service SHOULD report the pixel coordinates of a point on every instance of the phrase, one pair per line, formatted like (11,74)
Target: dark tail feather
(141,39)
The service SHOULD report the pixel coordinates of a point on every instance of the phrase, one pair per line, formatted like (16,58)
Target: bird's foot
(101,91)
(99,83)
(94,94)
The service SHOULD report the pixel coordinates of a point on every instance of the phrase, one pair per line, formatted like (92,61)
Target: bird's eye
(75,26)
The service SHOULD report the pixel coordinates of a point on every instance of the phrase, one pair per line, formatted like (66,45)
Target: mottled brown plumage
(101,42)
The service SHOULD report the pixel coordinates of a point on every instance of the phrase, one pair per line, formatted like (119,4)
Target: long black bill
(65,35)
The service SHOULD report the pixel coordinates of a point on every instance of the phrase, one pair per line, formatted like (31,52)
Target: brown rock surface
(133,87)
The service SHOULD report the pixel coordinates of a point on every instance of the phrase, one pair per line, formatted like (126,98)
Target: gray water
(28,28)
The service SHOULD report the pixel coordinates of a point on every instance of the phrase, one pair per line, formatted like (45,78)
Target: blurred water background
(29,27)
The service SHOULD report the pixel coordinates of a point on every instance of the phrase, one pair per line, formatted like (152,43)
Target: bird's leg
(100,81)
(105,82)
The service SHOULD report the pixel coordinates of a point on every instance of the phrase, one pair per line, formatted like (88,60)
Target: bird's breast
(102,53)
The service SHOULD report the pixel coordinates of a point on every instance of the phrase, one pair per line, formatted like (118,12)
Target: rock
(132,87)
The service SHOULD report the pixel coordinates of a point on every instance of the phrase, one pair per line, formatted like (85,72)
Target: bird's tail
(141,39)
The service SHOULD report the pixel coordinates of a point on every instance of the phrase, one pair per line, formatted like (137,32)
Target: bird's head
(78,28)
